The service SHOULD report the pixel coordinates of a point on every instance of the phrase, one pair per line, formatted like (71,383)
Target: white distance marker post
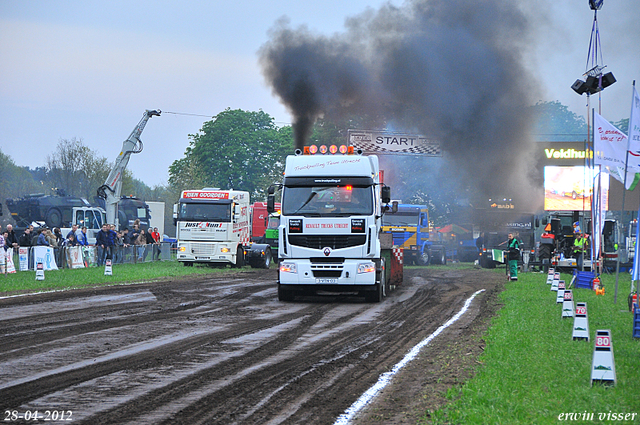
(603,368)
(581,322)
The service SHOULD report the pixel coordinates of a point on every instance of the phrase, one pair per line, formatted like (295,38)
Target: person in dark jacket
(105,241)
(58,234)
(71,240)
(25,238)
(12,239)
(126,238)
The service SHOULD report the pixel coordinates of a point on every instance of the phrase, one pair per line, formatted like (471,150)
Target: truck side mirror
(175,214)
(271,201)
(386,194)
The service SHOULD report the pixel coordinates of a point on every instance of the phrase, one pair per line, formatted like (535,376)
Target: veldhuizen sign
(381,142)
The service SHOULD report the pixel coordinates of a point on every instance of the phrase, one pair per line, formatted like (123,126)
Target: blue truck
(410,229)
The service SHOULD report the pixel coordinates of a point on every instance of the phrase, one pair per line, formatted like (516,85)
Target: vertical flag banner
(634,127)
(636,258)
(598,219)
(609,145)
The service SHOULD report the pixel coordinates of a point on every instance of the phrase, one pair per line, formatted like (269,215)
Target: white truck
(90,217)
(212,226)
(329,234)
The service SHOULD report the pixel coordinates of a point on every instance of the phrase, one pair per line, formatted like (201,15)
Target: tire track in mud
(215,350)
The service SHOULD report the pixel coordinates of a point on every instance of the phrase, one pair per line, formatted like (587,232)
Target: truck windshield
(400,219)
(327,200)
(274,222)
(218,212)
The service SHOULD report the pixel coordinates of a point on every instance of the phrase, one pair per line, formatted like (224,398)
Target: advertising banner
(45,255)
(6,261)
(23,258)
(74,257)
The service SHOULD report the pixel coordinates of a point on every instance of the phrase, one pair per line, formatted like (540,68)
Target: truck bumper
(343,276)
(198,252)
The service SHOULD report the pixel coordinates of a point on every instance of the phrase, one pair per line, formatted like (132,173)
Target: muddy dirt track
(224,350)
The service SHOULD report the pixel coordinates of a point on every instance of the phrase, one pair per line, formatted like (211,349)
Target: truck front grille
(323,241)
(323,269)
(202,248)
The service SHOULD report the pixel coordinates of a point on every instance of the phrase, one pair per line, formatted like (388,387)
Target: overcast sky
(88,69)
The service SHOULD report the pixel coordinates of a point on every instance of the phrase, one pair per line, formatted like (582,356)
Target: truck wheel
(375,296)
(239,257)
(267,259)
(54,218)
(442,258)
(188,264)
(424,258)
(380,291)
(285,294)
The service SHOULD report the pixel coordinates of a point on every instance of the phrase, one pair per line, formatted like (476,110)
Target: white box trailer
(156,209)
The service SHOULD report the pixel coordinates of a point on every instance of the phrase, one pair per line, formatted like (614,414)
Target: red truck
(259,219)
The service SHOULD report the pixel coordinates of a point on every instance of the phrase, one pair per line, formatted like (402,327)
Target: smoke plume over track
(452,70)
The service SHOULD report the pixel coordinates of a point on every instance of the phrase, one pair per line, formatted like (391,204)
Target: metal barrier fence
(87,256)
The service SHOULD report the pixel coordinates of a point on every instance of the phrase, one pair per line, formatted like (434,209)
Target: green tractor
(271,233)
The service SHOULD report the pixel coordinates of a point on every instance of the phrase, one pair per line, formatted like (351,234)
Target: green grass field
(77,278)
(532,371)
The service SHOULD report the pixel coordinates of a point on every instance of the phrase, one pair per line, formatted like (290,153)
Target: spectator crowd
(116,245)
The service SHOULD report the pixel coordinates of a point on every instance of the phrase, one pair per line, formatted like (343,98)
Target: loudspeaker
(579,87)
(593,84)
(608,79)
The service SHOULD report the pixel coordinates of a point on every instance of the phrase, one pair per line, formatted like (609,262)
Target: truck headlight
(366,267)
(288,268)
(182,249)
(225,249)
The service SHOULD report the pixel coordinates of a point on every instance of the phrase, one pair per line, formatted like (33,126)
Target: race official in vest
(579,248)
(513,246)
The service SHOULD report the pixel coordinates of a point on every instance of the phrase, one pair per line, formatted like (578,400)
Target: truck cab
(411,231)
(329,233)
(212,226)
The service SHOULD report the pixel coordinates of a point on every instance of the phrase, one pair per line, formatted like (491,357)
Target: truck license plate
(326,280)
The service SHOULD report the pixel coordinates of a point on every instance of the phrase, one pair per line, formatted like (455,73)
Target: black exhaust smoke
(452,70)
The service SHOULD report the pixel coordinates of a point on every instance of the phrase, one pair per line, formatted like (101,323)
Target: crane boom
(111,190)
